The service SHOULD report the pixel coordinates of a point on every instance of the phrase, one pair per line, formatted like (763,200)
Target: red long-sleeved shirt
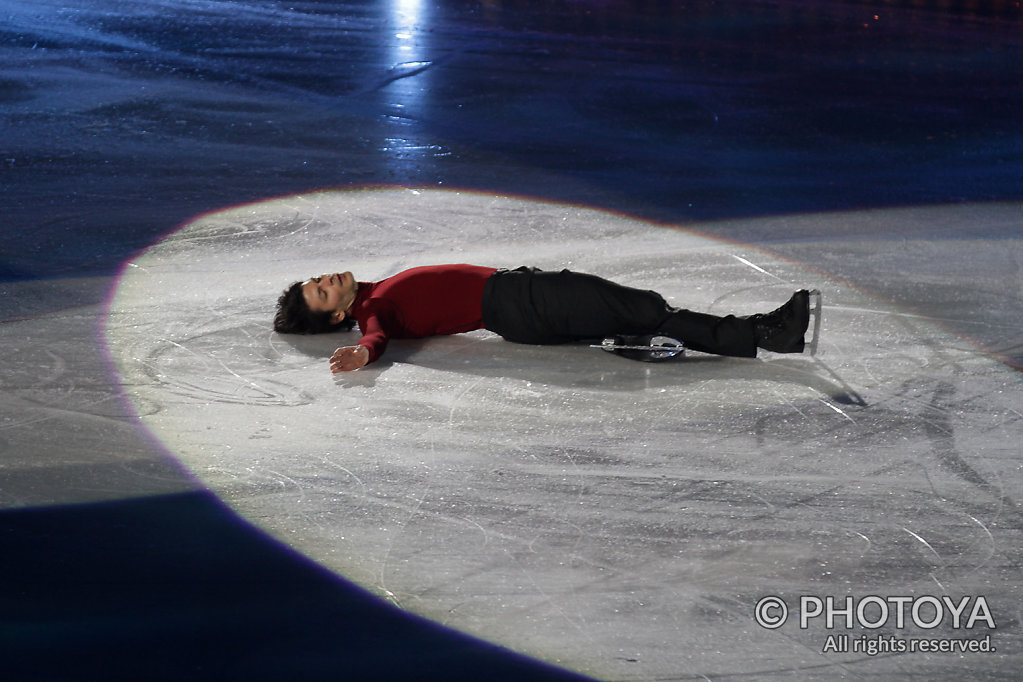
(424,301)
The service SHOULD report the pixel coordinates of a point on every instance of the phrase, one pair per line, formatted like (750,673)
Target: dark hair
(294,317)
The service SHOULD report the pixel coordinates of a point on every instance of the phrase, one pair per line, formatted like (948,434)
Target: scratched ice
(618,518)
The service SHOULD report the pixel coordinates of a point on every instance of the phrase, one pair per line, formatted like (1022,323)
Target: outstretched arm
(371,345)
(348,358)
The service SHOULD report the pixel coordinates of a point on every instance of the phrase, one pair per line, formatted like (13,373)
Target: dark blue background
(122,120)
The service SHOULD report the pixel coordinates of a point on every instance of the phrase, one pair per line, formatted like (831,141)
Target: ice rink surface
(187,495)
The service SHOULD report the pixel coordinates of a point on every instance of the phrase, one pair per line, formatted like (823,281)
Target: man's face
(330,293)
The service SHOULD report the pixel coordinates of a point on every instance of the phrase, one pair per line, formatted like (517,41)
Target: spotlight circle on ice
(511,491)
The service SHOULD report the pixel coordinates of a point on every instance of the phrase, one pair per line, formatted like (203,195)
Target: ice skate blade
(659,349)
(815,312)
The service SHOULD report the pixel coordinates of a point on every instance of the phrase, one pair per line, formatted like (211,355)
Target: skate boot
(783,330)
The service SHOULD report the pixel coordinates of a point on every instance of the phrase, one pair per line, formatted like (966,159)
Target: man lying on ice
(525,305)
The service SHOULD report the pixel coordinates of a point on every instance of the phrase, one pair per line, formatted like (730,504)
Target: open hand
(348,358)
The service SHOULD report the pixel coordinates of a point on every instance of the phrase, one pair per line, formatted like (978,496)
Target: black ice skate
(784,330)
(645,348)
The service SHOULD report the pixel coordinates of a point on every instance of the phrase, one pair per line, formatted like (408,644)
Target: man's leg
(729,335)
(570,306)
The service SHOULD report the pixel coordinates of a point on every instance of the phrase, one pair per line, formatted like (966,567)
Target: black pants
(528,305)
